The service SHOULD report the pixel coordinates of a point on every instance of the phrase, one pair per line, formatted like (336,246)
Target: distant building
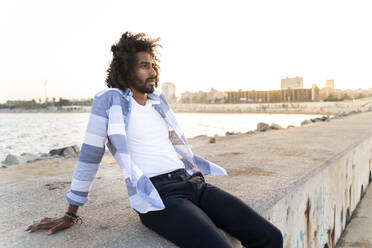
(169,91)
(271,96)
(329,90)
(315,94)
(70,108)
(194,97)
(292,83)
(330,84)
(213,96)
(186,97)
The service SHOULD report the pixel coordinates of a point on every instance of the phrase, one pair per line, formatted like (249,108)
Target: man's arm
(91,153)
(89,159)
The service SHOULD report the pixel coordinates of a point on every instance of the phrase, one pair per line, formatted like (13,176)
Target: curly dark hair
(121,70)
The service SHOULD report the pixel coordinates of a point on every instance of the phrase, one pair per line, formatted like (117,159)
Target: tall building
(330,83)
(315,93)
(169,91)
(292,83)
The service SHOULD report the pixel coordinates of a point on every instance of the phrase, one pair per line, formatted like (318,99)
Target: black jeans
(194,209)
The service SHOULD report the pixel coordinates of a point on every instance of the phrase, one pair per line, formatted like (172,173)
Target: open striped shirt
(108,121)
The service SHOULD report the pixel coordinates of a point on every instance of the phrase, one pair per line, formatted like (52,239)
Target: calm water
(41,132)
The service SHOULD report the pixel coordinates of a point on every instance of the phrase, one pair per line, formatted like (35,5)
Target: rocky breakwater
(65,152)
(264,127)
(261,127)
(338,115)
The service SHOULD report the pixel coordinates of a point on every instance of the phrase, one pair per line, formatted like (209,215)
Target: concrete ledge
(306,180)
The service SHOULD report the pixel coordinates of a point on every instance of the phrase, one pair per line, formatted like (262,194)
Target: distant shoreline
(180,112)
(186,112)
(308,108)
(86,109)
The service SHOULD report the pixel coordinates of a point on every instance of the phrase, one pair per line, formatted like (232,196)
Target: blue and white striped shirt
(108,121)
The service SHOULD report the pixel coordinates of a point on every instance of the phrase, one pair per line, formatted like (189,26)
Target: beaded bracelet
(74,217)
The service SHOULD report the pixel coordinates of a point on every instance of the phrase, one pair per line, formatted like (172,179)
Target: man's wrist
(72,209)
(71,214)
(73,218)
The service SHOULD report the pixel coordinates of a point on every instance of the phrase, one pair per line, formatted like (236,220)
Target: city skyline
(215,96)
(178,93)
(240,45)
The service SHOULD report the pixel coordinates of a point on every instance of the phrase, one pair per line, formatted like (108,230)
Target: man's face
(144,74)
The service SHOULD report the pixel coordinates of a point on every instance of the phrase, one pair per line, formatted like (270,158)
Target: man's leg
(236,218)
(185,224)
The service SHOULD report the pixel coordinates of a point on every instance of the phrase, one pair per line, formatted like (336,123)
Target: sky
(226,45)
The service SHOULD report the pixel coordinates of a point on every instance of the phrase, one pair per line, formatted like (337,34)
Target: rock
(212,139)
(262,126)
(3,166)
(316,119)
(289,126)
(56,152)
(353,112)
(250,132)
(305,122)
(44,155)
(229,133)
(76,148)
(70,151)
(29,157)
(275,126)
(13,160)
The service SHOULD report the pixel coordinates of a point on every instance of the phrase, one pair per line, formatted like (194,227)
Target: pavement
(359,231)
(262,169)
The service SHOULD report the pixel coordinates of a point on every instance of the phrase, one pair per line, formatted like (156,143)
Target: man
(164,178)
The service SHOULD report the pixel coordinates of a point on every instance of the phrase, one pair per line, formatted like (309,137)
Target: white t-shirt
(148,141)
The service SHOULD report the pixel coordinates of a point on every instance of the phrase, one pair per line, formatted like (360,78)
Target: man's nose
(153,72)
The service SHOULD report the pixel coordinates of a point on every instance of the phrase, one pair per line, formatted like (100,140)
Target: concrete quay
(306,180)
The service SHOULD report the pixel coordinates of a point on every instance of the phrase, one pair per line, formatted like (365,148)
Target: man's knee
(275,238)
(271,237)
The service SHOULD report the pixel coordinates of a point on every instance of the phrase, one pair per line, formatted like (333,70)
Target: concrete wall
(316,212)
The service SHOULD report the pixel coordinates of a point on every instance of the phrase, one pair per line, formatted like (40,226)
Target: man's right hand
(52,224)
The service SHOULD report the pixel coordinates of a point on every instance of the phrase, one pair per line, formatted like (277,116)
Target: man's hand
(53,224)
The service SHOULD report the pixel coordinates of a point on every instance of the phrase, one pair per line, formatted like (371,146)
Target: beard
(143,86)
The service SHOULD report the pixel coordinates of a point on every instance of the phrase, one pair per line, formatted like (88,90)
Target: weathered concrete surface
(359,232)
(302,179)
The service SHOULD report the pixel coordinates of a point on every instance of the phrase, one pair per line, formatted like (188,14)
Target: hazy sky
(227,45)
